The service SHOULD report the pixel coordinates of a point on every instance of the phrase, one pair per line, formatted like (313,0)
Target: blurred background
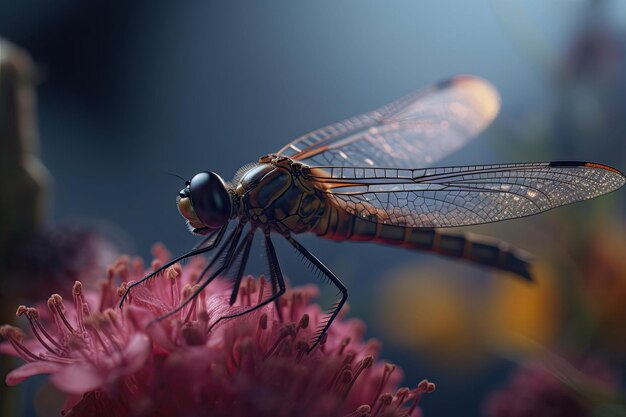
(127,93)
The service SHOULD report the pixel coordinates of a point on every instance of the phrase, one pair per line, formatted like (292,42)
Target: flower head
(54,257)
(126,363)
(555,388)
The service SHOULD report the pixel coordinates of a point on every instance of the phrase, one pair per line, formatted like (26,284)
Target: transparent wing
(414,131)
(457,196)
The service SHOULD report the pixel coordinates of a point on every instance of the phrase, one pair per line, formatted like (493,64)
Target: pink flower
(124,363)
(55,256)
(556,388)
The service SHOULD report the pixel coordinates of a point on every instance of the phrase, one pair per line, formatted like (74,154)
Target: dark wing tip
(567,164)
(606,167)
(586,164)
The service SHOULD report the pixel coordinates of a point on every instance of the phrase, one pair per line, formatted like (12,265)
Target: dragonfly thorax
(275,196)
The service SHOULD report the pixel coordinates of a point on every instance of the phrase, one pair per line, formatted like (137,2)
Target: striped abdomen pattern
(339,225)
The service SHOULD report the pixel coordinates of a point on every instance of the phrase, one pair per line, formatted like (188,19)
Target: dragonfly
(371,178)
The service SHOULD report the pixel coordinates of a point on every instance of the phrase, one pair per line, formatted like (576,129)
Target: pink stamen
(303,324)
(383,402)
(401,396)
(344,342)
(160,252)
(349,358)
(122,290)
(243,295)
(280,306)
(202,301)
(361,411)
(96,334)
(80,305)
(173,274)
(261,327)
(387,371)
(262,283)
(112,318)
(105,289)
(301,348)
(343,366)
(285,331)
(365,363)
(103,325)
(187,292)
(250,289)
(192,309)
(203,318)
(289,303)
(21,310)
(32,314)
(122,268)
(424,386)
(137,268)
(156,264)
(77,343)
(24,353)
(345,376)
(373,347)
(416,400)
(52,340)
(15,337)
(55,303)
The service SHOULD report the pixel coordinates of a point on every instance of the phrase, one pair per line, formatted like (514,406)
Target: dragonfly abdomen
(340,225)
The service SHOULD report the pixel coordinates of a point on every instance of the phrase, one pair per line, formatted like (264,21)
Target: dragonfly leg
(274,283)
(213,260)
(242,266)
(325,325)
(276,275)
(232,252)
(219,233)
(193,252)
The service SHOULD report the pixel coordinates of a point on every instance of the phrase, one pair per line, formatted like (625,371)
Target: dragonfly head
(205,202)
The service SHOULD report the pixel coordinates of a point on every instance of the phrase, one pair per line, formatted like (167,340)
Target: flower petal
(81,377)
(78,378)
(157,331)
(32,368)
(7,349)
(136,352)
(32,345)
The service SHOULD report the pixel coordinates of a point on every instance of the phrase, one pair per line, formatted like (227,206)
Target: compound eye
(210,199)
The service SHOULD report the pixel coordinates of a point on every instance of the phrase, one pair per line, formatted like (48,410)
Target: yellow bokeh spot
(527,310)
(428,312)
(458,322)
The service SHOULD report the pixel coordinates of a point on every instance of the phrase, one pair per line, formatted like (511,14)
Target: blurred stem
(23,178)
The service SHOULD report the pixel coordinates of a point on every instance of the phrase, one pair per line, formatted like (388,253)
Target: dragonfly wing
(416,130)
(466,195)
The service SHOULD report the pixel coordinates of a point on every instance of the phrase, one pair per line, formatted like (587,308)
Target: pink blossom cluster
(540,388)
(116,362)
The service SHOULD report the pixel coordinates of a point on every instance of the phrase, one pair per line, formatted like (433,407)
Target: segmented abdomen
(336,224)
